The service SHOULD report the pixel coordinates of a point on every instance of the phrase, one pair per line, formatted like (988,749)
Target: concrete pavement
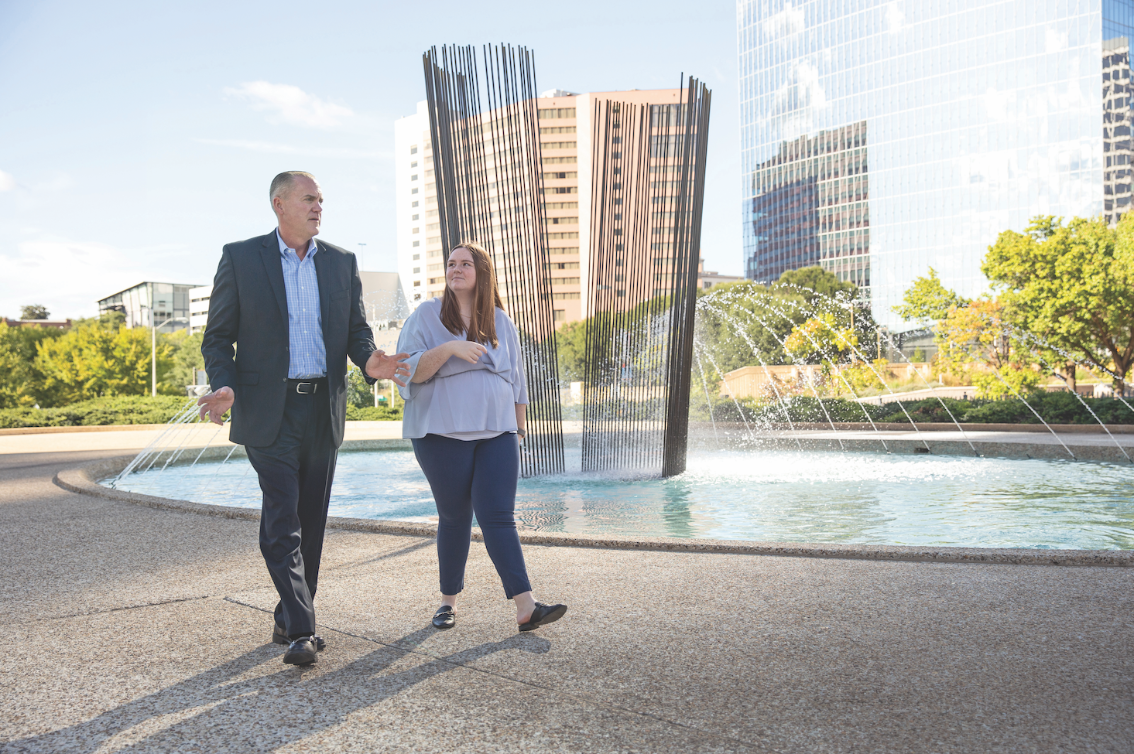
(138,629)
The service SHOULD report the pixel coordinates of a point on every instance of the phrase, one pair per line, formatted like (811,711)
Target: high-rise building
(565,133)
(883,137)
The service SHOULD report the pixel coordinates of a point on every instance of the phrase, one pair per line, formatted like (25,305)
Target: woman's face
(460,273)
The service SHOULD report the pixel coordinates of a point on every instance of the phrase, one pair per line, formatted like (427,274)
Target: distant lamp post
(153,346)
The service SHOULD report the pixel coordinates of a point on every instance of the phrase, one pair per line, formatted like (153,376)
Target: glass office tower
(965,118)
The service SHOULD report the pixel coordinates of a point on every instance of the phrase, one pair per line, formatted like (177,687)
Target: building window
(417,243)
(413,190)
(414,217)
(413,177)
(417,230)
(565,296)
(560,315)
(413,164)
(557,130)
(416,257)
(414,204)
(416,270)
(559,144)
(556,112)
(416,283)
(560,176)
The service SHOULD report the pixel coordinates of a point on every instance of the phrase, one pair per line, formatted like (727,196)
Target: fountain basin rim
(571,428)
(83,480)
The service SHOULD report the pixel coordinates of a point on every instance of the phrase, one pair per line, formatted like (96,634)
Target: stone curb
(84,480)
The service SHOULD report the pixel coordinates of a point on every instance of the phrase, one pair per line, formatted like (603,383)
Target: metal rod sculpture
(489,177)
(646,202)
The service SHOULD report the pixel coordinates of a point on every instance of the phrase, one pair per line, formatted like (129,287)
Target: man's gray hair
(283,182)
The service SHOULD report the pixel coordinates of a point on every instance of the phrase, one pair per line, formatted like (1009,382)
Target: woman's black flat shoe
(445,617)
(542,615)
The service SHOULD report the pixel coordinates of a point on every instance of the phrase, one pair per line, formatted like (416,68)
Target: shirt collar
(312,247)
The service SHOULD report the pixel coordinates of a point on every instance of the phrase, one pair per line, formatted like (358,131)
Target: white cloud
(291,104)
(797,101)
(7,182)
(271,148)
(68,276)
(786,22)
(895,19)
(1054,40)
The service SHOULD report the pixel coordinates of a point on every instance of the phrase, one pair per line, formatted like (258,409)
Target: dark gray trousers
(295,473)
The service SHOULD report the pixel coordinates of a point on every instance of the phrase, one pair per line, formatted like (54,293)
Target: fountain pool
(757,495)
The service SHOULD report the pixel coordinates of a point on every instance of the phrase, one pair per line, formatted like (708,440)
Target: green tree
(818,283)
(1072,284)
(359,394)
(184,360)
(91,360)
(820,338)
(34,311)
(571,347)
(927,300)
(21,382)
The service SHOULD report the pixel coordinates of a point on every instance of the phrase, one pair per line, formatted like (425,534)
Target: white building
(382,299)
(199,308)
(418,261)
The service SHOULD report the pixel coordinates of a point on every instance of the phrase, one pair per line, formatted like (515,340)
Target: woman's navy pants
(475,476)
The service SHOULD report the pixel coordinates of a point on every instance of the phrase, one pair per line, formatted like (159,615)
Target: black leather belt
(308,386)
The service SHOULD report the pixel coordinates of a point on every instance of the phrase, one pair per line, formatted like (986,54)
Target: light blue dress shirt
(307,353)
(461,400)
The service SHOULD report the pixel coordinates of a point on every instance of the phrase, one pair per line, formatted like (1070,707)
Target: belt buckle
(300,385)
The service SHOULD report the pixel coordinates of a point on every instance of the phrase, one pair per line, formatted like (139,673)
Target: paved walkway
(135,629)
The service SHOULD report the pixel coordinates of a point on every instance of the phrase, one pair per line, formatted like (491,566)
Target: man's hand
(382,367)
(215,404)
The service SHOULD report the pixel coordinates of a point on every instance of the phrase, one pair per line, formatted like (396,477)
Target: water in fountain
(767,483)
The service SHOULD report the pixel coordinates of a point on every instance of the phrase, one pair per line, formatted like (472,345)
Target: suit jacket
(248,307)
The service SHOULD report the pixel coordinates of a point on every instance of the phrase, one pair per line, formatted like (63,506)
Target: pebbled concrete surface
(140,629)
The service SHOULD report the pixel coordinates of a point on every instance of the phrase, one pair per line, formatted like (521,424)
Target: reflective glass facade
(976,115)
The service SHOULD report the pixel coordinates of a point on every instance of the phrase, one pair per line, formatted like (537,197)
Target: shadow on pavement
(219,709)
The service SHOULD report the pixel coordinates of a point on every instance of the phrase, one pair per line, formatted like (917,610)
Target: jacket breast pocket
(249,378)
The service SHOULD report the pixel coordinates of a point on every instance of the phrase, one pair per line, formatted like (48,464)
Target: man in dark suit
(293,307)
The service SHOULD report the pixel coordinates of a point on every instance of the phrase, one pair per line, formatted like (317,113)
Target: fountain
(797,464)
(795,467)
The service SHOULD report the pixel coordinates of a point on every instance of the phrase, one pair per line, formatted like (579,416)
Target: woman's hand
(468,350)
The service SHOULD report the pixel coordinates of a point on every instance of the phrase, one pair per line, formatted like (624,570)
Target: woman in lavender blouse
(465,408)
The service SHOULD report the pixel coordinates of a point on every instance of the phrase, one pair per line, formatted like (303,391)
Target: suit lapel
(323,278)
(273,266)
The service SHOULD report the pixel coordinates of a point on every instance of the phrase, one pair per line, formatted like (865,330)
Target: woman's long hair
(482,327)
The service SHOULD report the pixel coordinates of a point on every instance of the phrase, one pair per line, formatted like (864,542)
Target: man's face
(300,209)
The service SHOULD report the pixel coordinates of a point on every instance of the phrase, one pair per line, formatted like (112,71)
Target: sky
(137,138)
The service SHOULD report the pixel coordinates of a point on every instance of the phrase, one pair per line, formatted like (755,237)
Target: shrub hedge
(1055,408)
(133,409)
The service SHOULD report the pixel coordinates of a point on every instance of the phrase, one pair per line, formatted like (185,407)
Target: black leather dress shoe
(445,617)
(542,615)
(279,636)
(302,651)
